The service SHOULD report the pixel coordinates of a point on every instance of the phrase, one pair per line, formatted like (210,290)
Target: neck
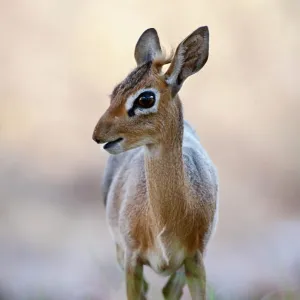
(165,173)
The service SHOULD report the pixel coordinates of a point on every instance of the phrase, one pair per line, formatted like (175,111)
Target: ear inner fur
(190,56)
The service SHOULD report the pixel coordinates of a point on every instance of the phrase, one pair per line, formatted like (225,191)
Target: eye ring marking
(132,107)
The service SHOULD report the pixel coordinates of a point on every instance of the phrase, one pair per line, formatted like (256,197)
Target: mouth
(112,143)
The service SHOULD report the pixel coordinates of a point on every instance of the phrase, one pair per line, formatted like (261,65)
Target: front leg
(196,276)
(173,290)
(134,277)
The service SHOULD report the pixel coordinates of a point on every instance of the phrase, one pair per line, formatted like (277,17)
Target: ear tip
(203,30)
(150,31)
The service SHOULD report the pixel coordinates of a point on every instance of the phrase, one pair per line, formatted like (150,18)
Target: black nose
(96,139)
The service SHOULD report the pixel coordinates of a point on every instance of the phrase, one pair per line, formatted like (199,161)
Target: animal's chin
(114,147)
(122,145)
(112,143)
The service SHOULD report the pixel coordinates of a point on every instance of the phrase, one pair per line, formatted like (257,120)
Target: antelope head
(144,105)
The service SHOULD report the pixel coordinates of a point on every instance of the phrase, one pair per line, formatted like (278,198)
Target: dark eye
(146,100)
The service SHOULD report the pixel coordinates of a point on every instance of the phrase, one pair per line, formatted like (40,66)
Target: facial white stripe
(139,110)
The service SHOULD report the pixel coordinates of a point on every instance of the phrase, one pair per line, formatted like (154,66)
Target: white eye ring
(139,110)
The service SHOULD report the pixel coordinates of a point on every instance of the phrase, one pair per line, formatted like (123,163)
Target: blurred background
(59,62)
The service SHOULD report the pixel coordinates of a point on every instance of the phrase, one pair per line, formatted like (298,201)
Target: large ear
(147,47)
(190,56)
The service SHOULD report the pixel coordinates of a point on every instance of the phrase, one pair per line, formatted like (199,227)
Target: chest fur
(166,256)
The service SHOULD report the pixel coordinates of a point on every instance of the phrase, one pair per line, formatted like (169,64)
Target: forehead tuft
(133,79)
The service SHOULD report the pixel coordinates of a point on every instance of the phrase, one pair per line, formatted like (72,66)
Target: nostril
(97,140)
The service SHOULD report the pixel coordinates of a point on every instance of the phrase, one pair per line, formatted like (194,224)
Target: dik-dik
(160,186)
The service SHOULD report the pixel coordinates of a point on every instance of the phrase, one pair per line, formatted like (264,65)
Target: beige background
(59,62)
